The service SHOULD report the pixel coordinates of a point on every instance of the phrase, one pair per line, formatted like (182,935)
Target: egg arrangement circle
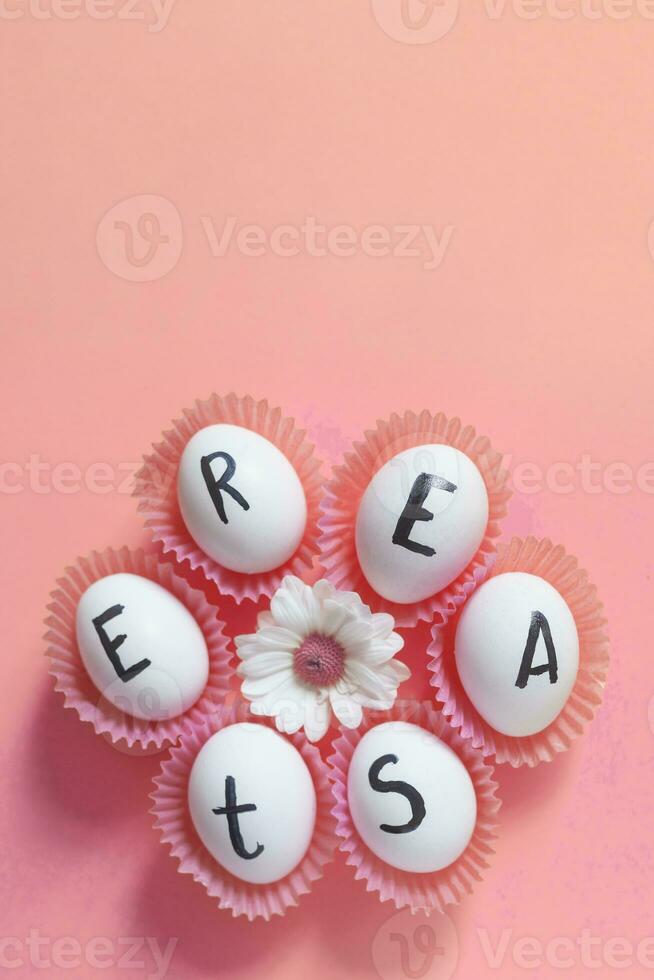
(405,530)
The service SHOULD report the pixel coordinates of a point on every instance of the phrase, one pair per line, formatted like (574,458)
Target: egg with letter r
(241,499)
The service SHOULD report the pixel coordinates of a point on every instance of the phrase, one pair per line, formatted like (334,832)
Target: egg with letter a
(517,652)
(252,802)
(241,499)
(420,522)
(411,798)
(141,647)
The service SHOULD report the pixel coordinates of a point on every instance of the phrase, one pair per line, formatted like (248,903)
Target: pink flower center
(319,660)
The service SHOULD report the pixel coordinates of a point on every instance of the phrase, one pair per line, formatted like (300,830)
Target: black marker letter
(414,511)
(538,625)
(404,789)
(231,810)
(215,486)
(111,646)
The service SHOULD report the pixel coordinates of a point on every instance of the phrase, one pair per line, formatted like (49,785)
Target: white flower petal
(279,638)
(295,606)
(332,616)
(401,671)
(353,632)
(291,714)
(372,654)
(371,675)
(347,710)
(324,590)
(257,687)
(376,704)
(317,716)
(246,639)
(382,624)
(372,683)
(353,602)
(265,663)
(245,651)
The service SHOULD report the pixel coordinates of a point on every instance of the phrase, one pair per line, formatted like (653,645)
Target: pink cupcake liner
(345,490)
(420,892)
(538,557)
(156,486)
(71,677)
(173,820)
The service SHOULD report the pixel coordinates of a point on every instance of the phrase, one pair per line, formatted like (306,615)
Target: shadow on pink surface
(337,915)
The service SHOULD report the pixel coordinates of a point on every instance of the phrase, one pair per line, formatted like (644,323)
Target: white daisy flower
(319,651)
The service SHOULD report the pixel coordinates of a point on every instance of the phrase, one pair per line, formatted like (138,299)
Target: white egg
(141,646)
(411,798)
(420,521)
(241,499)
(252,802)
(517,652)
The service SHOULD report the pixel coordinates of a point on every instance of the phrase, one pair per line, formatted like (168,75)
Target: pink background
(532,139)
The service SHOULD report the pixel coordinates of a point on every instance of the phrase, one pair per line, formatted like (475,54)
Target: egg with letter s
(517,652)
(420,522)
(252,802)
(141,647)
(411,798)
(241,499)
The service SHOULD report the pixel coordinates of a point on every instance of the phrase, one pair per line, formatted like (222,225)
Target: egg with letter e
(252,802)
(420,522)
(517,652)
(241,499)
(141,646)
(411,798)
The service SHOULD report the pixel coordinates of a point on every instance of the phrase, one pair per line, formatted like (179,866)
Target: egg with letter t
(252,801)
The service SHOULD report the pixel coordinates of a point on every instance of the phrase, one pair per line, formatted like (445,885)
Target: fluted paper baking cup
(434,891)
(552,563)
(71,676)
(173,820)
(344,491)
(156,488)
